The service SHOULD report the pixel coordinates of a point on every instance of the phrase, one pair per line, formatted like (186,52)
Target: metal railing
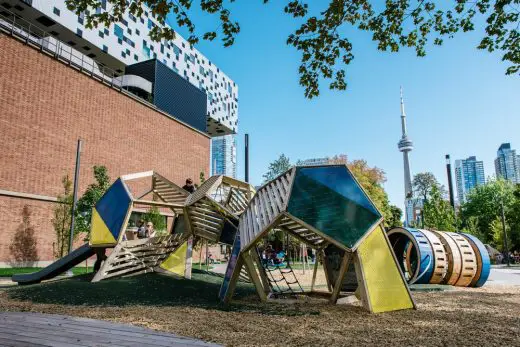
(12,24)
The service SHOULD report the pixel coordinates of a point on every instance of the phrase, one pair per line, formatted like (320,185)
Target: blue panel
(178,97)
(421,254)
(486,262)
(173,94)
(329,199)
(112,207)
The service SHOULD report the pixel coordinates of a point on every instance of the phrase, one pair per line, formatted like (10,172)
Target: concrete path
(502,275)
(36,329)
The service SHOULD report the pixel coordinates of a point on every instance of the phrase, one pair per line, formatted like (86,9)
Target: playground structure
(325,208)
(210,213)
(440,257)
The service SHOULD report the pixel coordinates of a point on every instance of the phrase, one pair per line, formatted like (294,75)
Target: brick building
(45,106)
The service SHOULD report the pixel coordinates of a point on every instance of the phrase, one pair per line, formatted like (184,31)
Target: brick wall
(45,106)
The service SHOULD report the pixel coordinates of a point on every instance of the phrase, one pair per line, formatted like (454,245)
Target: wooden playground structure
(323,207)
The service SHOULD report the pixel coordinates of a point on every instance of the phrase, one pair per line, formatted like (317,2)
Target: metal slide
(74,258)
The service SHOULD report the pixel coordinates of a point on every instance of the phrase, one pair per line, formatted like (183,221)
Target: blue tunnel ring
(400,238)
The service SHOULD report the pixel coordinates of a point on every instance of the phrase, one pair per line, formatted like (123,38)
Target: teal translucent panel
(329,199)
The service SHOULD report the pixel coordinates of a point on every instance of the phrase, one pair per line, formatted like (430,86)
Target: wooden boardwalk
(36,329)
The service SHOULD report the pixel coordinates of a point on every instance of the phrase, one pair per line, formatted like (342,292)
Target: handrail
(31,34)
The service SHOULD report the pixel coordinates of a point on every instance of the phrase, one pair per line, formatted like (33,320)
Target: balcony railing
(14,25)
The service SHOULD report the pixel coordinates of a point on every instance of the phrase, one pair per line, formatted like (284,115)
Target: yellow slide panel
(100,235)
(176,262)
(387,290)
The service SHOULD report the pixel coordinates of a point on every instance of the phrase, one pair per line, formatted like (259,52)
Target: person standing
(150,232)
(189,187)
(141,230)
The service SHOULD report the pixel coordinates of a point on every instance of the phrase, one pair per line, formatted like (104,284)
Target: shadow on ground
(152,290)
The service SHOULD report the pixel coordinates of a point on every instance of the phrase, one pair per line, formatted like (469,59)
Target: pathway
(36,329)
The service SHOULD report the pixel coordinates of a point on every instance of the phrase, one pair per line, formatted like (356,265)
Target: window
(118,31)
(127,51)
(124,22)
(123,54)
(81,18)
(150,24)
(168,55)
(56,11)
(101,34)
(120,41)
(142,20)
(162,48)
(132,17)
(105,49)
(79,32)
(129,31)
(98,10)
(136,58)
(104,4)
(176,50)
(137,32)
(146,51)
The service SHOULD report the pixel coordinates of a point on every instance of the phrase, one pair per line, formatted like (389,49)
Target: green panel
(329,199)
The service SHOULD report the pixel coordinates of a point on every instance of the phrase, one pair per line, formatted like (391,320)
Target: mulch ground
(487,316)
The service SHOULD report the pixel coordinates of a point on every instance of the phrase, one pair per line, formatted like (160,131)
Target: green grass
(151,290)
(9,272)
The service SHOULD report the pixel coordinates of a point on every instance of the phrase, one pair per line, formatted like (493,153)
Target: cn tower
(405,145)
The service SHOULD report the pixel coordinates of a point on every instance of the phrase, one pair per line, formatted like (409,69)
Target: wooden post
(362,290)
(314,273)
(263,276)
(325,268)
(341,274)
(254,276)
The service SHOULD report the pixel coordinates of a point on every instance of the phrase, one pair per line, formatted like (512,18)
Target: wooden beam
(362,289)
(157,203)
(234,279)
(339,281)
(316,262)
(324,262)
(254,276)
(263,276)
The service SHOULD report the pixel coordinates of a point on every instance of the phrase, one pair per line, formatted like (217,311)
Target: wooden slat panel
(277,203)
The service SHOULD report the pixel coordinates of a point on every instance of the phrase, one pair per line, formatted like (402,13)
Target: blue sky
(458,101)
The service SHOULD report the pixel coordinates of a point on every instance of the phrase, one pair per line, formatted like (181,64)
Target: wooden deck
(36,329)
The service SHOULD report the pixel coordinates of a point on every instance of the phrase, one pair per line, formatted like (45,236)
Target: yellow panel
(176,262)
(386,288)
(99,233)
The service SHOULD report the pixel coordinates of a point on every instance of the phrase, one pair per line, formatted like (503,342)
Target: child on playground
(150,231)
(141,230)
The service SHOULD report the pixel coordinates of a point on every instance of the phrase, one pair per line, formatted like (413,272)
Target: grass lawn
(485,316)
(8,272)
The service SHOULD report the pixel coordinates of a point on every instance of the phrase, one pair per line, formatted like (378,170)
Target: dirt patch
(486,316)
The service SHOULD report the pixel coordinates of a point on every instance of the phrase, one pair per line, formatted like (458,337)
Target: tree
(372,180)
(23,246)
(395,217)
(159,221)
(423,183)
(497,234)
(437,212)
(277,167)
(322,35)
(513,219)
(484,203)
(62,217)
(92,194)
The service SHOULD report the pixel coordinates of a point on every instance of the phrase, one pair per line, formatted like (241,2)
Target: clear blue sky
(458,101)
